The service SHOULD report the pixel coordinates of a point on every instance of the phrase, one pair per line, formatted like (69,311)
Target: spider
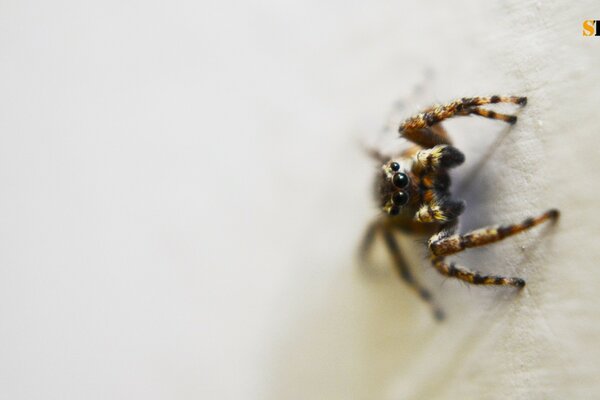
(413,192)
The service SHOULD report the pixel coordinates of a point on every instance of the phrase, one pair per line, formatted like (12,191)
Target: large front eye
(400,198)
(400,180)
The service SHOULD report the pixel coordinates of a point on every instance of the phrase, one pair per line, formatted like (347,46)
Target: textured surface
(183,190)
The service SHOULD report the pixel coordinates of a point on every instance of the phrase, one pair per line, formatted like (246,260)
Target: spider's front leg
(482,112)
(418,128)
(473,277)
(444,244)
(438,157)
(463,273)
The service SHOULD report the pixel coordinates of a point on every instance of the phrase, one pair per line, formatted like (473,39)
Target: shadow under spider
(468,179)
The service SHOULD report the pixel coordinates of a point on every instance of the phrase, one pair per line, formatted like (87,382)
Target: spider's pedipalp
(439,157)
(441,212)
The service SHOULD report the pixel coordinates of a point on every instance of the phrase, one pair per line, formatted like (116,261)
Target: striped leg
(472,277)
(437,114)
(443,244)
(406,274)
(510,119)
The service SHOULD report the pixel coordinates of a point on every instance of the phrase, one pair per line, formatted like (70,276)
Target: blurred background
(184,187)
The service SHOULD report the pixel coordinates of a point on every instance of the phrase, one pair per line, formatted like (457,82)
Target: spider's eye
(400,198)
(395,166)
(394,210)
(400,180)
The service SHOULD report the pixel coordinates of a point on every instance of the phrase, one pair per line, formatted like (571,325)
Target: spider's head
(395,188)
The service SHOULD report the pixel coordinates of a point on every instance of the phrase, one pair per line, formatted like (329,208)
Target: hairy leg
(418,128)
(510,119)
(475,278)
(445,243)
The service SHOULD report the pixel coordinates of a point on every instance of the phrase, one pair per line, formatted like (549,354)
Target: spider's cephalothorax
(417,187)
(413,192)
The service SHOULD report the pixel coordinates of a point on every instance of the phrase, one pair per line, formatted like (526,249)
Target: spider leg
(475,278)
(425,136)
(418,128)
(444,244)
(369,239)
(406,274)
(510,119)
(439,130)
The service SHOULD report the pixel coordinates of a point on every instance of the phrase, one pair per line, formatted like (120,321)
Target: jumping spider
(413,192)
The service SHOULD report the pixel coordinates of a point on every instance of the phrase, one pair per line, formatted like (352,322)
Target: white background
(183,189)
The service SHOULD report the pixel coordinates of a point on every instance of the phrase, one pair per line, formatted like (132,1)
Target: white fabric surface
(183,192)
